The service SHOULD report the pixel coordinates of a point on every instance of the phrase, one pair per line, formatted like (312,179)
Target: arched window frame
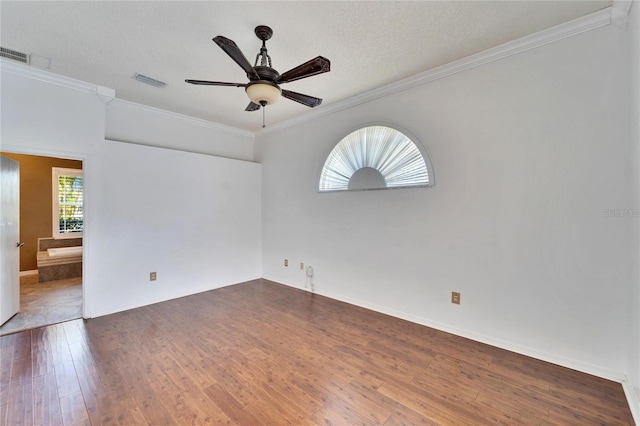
(415,142)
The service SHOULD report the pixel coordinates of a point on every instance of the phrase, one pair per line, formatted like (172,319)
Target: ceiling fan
(264,83)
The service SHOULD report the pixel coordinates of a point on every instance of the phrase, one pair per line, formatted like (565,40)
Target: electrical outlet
(286,263)
(152,276)
(301,266)
(455,297)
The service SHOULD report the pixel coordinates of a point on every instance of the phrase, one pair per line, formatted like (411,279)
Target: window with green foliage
(375,157)
(68,219)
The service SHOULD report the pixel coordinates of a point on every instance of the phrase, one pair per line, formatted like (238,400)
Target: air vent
(25,58)
(148,80)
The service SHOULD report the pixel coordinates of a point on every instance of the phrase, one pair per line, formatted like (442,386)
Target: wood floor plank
(578,417)
(272,407)
(74,412)
(278,379)
(105,408)
(433,407)
(22,345)
(66,378)
(46,400)
(194,400)
(405,417)
(6,361)
(138,387)
(269,411)
(514,404)
(42,352)
(453,388)
(83,360)
(373,404)
(20,406)
(262,353)
(4,414)
(230,406)
(20,390)
(340,411)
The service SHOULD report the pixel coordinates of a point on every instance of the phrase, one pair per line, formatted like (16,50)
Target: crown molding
(181,117)
(104,93)
(620,10)
(107,95)
(586,23)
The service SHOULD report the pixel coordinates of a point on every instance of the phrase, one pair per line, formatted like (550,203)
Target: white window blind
(389,151)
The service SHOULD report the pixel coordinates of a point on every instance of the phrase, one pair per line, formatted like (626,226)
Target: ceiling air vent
(25,58)
(148,80)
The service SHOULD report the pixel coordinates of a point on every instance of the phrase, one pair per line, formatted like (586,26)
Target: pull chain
(263,104)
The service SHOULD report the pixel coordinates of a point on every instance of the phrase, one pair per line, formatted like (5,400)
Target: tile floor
(45,303)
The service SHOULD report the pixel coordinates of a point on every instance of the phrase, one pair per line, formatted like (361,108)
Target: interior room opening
(51,224)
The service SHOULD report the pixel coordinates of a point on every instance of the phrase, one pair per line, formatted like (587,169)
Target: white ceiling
(370,44)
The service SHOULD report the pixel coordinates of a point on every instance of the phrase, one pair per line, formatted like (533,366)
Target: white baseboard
(632,398)
(28,273)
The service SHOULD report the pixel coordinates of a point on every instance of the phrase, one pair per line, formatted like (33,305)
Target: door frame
(27,150)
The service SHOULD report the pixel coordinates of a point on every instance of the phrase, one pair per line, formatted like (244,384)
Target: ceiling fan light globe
(263,93)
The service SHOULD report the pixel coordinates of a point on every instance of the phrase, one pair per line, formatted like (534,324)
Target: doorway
(44,298)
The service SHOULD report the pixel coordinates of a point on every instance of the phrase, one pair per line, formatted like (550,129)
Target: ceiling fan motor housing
(265,73)
(264,91)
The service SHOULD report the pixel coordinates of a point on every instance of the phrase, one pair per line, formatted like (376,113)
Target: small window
(375,157)
(68,219)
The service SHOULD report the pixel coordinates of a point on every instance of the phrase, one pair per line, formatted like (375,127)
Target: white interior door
(9,239)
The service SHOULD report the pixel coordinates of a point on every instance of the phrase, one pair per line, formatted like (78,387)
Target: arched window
(375,157)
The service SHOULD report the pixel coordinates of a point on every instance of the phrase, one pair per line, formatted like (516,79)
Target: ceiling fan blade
(315,66)
(307,100)
(252,107)
(215,83)
(234,52)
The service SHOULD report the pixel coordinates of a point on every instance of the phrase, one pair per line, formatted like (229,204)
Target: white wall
(192,218)
(130,122)
(634,115)
(528,153)
(37,115)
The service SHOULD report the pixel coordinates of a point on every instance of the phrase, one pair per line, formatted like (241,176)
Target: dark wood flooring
(263,353)
(45,303)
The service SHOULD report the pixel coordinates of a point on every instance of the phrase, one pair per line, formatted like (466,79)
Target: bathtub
(61,262)
(65,251)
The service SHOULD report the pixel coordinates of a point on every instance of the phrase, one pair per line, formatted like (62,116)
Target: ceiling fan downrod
(264,33)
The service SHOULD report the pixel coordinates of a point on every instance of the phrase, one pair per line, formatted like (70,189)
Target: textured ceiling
(370,44)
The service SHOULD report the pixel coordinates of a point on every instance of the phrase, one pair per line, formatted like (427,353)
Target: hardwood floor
(262,353)
(45,303)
